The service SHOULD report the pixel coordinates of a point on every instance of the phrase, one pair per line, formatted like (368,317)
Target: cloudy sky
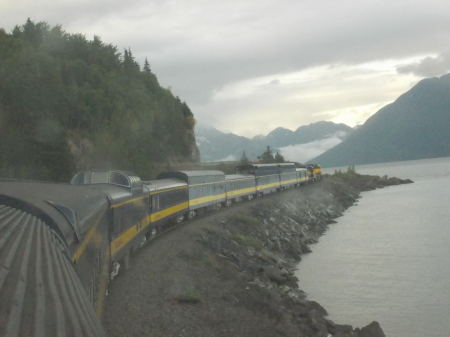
(250,66)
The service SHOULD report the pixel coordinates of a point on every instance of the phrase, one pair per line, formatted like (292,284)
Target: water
(387,259)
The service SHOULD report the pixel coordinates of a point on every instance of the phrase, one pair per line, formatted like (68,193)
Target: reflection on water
(387,258)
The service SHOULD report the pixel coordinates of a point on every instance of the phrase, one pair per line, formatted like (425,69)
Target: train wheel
(179,219)
(250,197)
(228,203)
(191,214)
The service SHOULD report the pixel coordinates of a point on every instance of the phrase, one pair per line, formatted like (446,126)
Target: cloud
(428,66)
(303,152)
(228,158)
(250,66)
(339,93)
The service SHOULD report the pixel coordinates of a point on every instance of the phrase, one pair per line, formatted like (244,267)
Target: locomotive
(61,244)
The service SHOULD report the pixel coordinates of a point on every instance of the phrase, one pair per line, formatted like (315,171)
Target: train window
(99,177)
(119,179)
(80,178)
(155,203)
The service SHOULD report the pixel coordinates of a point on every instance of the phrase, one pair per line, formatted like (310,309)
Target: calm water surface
(387,259)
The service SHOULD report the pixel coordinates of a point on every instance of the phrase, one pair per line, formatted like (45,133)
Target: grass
(190,297)
(248,220)
(212,262)
(248,241)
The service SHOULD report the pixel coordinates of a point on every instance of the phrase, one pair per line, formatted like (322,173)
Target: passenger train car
(60,244)
(206,188)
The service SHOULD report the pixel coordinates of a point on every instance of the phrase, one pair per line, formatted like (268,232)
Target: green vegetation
(248,241)
(67,103)
(267,157)
(190,297)
(212,262)
(347,174)
(248,220)
(244,159)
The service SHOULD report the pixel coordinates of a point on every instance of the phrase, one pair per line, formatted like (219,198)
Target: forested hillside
(67,103)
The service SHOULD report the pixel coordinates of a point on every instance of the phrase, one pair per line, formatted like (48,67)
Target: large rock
(371,330)
(274,274)
(313,305)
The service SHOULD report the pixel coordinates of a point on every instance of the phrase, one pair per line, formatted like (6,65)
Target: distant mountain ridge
(415,126)
(215,145)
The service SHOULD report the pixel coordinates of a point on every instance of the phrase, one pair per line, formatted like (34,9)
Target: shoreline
(232,273)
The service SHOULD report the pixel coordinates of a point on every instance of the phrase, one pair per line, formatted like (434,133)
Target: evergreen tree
(244,159)
(279,158)
(129,63)
(146,66)
(67,104)
(267,156)
(186,110)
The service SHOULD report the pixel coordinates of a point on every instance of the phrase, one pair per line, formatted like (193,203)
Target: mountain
(215,145)
(415,126)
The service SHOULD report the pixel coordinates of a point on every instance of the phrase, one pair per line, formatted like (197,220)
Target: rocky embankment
(232,273)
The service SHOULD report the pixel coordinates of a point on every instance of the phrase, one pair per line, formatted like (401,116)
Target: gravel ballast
(231,273)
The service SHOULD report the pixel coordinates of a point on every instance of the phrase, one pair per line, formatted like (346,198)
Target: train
(61,244)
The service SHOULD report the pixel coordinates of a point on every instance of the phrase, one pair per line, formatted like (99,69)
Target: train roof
(195,177)
(33,294)
(287,167)
(163,184)
(265,169)
(199,173)
(66,208)
(272,165)
(238,176)
(261,165)
(118,185)
(113,177)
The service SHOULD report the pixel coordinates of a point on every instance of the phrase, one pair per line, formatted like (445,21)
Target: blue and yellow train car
(239,186)
(130,208)
(267,176)
(302,176)
(288,175)
(206,188)
(169,200)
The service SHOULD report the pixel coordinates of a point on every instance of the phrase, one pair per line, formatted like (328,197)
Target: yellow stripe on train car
(169,211)
(168,190)
(277,184)
(294,181)
(118,243)
(242,191)
(210,183)
(138,201)
(92,234)
(123,239)
(199,201)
